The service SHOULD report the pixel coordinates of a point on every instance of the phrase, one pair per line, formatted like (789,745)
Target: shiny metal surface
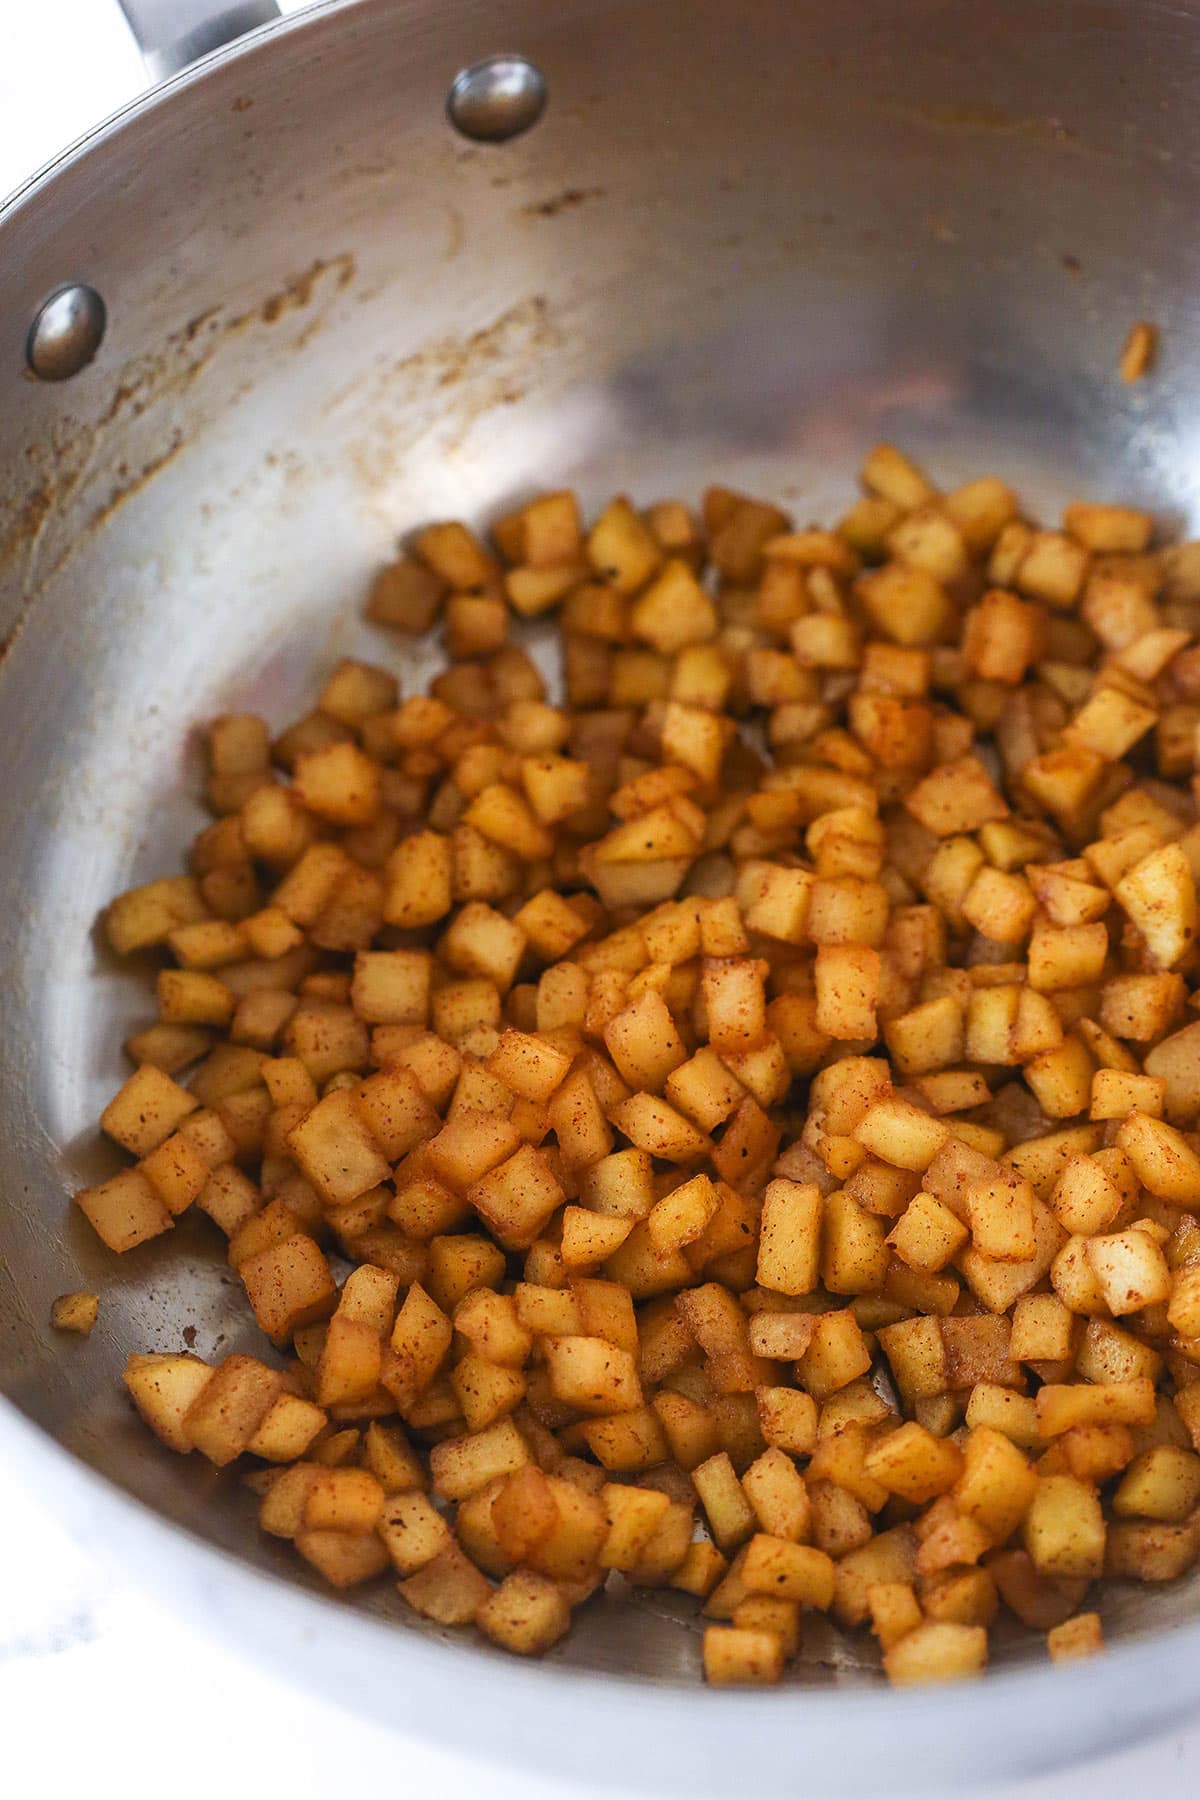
(66,333)
(330,319)
(496,99)
(171,34)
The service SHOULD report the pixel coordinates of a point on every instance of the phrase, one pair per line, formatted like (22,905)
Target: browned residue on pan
(443,388)
(300,290)
(84,455)
(567,201)
(32,511)
(130,484)
(991,121)
(187,353)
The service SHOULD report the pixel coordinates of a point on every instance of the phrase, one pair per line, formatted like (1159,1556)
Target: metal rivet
(66,333)
(497,99)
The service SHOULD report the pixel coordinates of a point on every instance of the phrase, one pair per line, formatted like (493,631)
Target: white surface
(99,1687)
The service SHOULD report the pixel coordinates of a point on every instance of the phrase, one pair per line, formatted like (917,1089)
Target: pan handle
(173,33)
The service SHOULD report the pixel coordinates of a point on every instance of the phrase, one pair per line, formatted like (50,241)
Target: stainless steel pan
(740,243)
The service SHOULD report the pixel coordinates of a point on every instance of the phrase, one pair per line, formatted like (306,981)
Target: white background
(100,1692)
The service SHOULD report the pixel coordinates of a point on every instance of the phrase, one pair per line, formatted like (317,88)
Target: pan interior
(736,257)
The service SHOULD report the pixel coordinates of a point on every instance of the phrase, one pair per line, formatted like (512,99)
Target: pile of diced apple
(734,1128)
